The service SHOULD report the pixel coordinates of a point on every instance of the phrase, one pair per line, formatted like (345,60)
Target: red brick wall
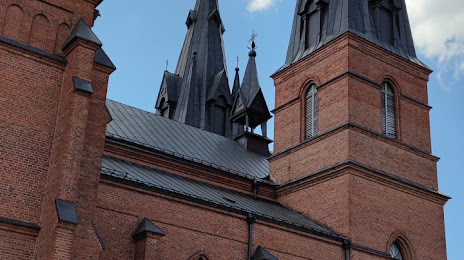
(32,88)
(15,244)
(369,212)
(41,23)
(348,98)
(366,211)
(191,228)
(29,95)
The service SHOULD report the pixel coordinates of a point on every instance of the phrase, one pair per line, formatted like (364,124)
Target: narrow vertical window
(311,112)
(388,111)
(395,252)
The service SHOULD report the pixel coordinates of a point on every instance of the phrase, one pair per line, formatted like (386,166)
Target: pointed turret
(318,22)
(203,97)
(236,86)
(250,110)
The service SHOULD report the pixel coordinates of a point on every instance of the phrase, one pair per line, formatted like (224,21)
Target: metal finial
(237,61)
(252,40)
(167,64)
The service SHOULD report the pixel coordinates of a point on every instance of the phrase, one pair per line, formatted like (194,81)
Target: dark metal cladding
(204,193)
(82,85)
(82,31)
(236,86)
(263,254)
(250,100)
(66,211)
(204,98)
(102,58)
(183,142)
(382,22)
(146,226)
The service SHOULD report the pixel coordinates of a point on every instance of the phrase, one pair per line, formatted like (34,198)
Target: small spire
(236,87)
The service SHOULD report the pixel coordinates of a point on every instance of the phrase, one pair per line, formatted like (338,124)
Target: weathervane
(252,40)
(167,64)
(237,61)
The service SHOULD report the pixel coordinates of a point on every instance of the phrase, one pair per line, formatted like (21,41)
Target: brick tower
(53,82)
(352,132)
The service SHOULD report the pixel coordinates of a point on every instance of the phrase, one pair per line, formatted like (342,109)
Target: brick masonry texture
(52,140)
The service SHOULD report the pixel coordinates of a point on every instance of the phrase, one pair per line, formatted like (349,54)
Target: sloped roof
(82,31)
(174,185)
(146,226)
(182,141)
(351,16)
(263,254)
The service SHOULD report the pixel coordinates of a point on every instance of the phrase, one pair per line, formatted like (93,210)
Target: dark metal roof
(250,98)
(66,211)
(174,185)
(146,226)
(103,59)
(263,254)
(168,89)
(82,85)
(236,87)
(182,141)
(201,69)
(82,31)
(356,16)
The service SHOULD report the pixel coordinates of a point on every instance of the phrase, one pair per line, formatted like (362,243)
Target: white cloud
(438,32)
(259,5)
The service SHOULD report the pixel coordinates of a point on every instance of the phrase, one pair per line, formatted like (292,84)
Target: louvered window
(311,112)
(388,111)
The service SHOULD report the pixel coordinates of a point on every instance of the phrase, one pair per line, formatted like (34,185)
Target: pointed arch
(61,35)
(38,36)
(199,256)
(13,19)
(399,247)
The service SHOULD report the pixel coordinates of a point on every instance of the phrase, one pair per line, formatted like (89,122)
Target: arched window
(311,111)
(395,252)
(388,111)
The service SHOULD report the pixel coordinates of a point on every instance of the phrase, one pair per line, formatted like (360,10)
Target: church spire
(382,22)
(250,109)
(201,96)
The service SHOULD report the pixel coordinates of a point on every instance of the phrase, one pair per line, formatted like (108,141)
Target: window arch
(388,111)
(199,256)
(311,112)
(396,252)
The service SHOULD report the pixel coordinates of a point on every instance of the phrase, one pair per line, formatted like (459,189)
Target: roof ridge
(170,120)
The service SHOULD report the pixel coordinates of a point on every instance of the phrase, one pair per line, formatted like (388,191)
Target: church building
(351,175)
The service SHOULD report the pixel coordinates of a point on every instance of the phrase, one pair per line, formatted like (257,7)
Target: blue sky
(139,36)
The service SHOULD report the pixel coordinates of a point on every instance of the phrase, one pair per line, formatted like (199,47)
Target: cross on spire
(252,40)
